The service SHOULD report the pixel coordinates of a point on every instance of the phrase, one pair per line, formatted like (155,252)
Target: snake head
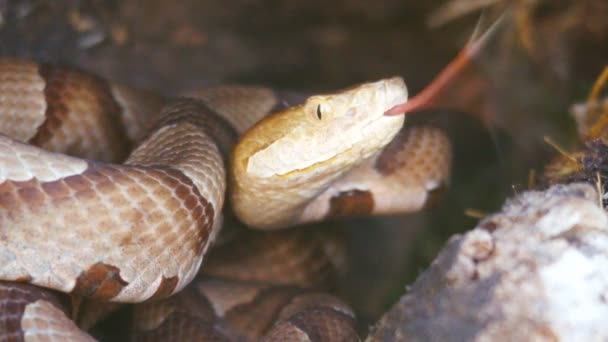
(290,157)
(326,133)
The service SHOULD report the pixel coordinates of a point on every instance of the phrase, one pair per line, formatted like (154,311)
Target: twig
(561,151)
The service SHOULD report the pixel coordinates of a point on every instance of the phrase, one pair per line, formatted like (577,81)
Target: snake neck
(192,139)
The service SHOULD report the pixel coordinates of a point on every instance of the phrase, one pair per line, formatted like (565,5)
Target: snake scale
(111,194)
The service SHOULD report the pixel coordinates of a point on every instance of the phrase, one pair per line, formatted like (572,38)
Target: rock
(537,270)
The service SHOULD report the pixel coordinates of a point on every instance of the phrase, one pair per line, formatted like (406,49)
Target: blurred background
(542,59)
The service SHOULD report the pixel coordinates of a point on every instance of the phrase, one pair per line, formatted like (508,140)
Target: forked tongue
(449,89)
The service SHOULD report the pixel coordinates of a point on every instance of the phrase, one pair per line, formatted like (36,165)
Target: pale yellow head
(343,127)
(293,155)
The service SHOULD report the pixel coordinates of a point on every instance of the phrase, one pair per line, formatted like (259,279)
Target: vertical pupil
(319,112)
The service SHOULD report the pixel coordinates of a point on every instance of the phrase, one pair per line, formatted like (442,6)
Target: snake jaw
(327,126)
(300,151)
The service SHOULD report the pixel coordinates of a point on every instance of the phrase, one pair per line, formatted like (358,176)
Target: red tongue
(448,89)
(433,94)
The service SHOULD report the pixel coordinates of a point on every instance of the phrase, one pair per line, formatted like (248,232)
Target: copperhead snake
(103,199)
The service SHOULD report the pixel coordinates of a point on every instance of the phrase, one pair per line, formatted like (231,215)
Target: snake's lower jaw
(277,202)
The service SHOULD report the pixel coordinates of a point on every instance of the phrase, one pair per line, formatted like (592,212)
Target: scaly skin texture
(139,230)
(35,314)
(118,232)
(284,162)
(273,294)
(230,311)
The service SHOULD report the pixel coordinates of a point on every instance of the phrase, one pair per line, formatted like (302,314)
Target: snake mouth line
(309,168)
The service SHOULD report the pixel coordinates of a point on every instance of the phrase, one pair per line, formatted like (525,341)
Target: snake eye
(319,114)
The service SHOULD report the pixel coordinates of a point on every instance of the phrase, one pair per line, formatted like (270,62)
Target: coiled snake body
(138,231)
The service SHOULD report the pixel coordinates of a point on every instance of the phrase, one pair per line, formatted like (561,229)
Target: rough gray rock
(536,271)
